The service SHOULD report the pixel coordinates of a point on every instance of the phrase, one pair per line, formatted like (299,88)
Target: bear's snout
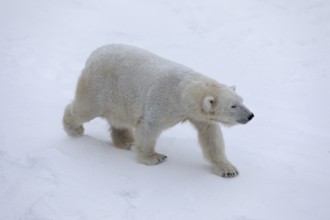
(245,119)
(250,117)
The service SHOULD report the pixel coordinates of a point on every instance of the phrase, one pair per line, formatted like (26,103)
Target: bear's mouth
(246,120)
(243,121)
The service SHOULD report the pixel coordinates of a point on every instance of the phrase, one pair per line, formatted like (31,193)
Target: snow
(275,52)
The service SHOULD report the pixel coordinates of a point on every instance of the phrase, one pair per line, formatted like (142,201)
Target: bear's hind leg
(73,121)
(122,138)
(71,124)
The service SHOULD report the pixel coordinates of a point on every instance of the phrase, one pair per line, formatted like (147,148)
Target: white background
(277,53)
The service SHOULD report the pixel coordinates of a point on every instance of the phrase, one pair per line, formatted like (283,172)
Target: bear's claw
(225,170)
(154,159)
(229,174)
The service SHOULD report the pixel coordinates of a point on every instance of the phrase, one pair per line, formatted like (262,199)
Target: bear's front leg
(212,143)
(145,141)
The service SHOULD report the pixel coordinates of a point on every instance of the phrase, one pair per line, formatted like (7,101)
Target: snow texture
(275,51)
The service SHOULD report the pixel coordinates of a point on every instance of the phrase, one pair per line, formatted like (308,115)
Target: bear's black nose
(251,116)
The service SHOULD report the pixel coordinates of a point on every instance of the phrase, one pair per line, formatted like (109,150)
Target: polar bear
(141,94)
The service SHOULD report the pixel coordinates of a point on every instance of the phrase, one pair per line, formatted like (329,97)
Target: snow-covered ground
(277,53)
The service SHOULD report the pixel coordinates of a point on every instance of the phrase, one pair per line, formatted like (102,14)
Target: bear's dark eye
(233,106)
(211,101)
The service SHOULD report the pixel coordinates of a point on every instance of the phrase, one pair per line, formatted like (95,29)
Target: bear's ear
(208,104)
(233,87)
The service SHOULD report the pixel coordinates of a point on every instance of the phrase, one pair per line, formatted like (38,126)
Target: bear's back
(126,59)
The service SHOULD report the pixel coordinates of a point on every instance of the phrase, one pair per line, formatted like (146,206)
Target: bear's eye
(211,102)
(233,106)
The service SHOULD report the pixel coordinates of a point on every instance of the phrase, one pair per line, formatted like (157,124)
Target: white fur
(141,94)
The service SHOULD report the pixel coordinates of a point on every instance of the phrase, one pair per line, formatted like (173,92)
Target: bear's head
(215,102)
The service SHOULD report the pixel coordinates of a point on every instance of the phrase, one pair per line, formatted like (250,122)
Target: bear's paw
(226,170)
(153,159)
